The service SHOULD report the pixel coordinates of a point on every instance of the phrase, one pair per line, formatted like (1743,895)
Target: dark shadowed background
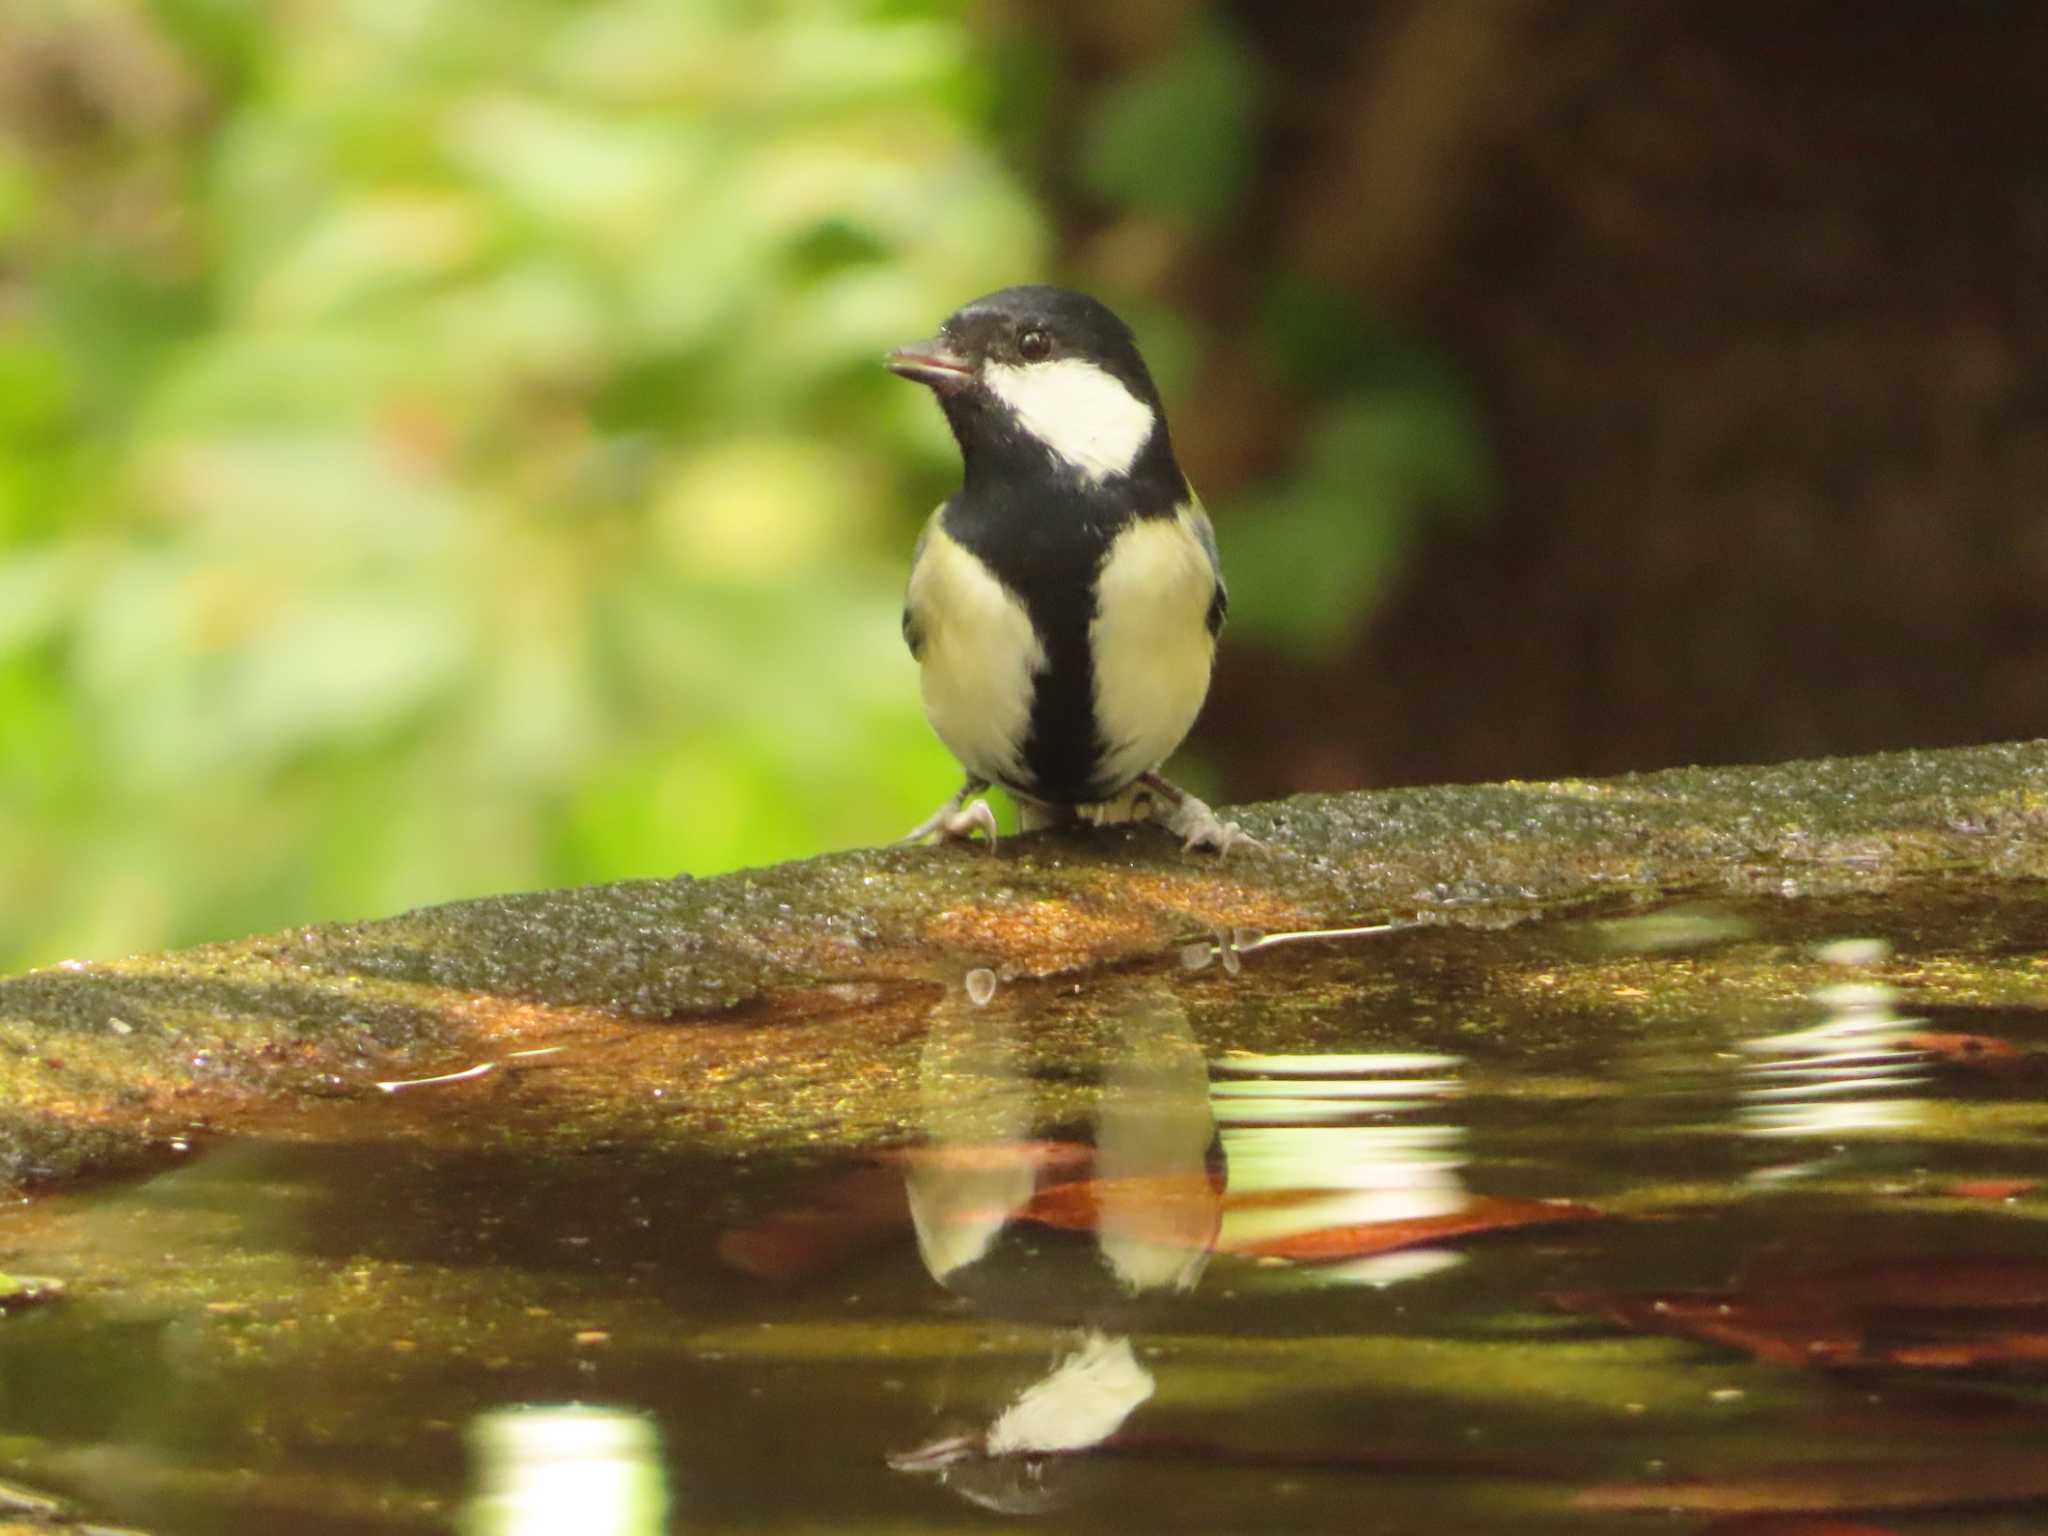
(443,447)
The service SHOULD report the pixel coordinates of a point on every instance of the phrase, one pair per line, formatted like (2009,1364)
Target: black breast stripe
(1049,556)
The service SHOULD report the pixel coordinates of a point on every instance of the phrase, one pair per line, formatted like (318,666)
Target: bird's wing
(1205,534)
(913,623)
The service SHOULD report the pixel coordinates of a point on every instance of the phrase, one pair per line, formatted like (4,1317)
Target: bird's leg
(1134,804)
(1191,819)
(956,820)
(1037,815)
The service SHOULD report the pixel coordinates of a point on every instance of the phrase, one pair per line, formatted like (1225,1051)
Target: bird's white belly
(979,657)
(1153,650)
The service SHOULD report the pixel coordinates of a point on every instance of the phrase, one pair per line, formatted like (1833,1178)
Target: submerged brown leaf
(1991,1189)
(1953,1481)
(1477,1217)
(1982,1053)
(1077,1206)
(855,1212)
(1792,1525)
(1162,1208)
(1914,1314)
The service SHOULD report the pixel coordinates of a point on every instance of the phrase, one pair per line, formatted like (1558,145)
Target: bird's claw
(956,823)
(1200,827)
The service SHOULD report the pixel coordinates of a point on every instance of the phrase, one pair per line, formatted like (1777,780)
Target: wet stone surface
(1729,1206)
(109,1067)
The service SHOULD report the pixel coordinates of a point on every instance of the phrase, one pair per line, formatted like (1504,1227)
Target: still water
(1671,1224)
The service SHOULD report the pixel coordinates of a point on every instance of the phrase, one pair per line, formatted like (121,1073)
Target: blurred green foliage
(443,447)
(1384,437)
(1177,137)
(1391,441)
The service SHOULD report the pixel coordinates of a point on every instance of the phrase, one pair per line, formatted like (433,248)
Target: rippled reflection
(1850,1073)
(1321,1142)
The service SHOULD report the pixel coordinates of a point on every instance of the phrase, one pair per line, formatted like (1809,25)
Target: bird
(1064,603)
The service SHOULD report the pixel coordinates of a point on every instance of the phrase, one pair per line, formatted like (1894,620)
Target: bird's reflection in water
(1095,1205)
(1143,1139)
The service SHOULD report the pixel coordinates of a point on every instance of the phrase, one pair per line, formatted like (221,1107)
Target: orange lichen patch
(1043,937)
(1136,914)
(1212,897)
(513,1022)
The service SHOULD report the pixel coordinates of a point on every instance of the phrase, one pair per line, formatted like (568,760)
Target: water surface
(1568,1226)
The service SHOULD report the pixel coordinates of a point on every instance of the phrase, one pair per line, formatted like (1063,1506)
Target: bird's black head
(1038,380)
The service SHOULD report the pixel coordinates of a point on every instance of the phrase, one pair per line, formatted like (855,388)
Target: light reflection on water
(1356,1139)
(1851,1072)
(547,1471)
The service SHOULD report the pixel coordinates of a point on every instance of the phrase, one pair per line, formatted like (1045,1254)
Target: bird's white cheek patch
(1079,411)
(980,656)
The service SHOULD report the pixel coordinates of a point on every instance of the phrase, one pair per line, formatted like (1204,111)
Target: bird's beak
(934,363)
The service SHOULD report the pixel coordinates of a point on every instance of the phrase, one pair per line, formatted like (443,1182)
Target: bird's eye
(1034,346)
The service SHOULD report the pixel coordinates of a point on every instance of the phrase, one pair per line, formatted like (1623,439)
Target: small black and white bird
(1064,604)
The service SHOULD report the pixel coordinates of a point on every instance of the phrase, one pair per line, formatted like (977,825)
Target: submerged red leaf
(1168,1208)
(867,1206)
(848,1216)
(1991,1189)
(1986,1053)
(1479,1215)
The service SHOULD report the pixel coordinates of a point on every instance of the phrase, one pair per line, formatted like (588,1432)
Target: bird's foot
(958,820)
(1199,827)
(1191,819)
